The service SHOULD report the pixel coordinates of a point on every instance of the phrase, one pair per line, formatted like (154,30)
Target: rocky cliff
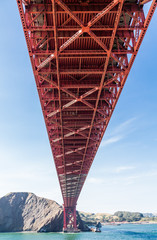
(27,212)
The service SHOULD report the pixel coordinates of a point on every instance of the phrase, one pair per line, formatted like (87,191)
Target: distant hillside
(26,212)
(128,216)
(93,218)
(120,216)
(150,215)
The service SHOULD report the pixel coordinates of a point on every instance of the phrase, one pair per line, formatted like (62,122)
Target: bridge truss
(81,53)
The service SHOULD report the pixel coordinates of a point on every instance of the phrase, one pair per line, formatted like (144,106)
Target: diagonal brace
(103,12)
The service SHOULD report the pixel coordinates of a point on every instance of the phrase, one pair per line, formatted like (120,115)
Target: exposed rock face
(81,224)
(27,212)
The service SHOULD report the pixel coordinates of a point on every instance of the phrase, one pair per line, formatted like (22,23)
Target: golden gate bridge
(81,53)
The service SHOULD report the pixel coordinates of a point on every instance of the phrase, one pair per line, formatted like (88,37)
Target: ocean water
(122,232)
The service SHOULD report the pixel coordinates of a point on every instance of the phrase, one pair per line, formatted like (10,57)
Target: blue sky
(124,173)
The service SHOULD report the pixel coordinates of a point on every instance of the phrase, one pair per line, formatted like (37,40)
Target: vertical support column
(70,219)
(64,223)
(75,224)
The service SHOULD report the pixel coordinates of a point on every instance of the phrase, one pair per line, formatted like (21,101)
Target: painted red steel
(81,53)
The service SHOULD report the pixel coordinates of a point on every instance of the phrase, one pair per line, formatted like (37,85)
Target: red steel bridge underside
(81,53)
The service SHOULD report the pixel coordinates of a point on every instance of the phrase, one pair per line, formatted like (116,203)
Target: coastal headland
(23,211)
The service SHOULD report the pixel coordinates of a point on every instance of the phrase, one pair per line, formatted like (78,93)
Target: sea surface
(126,232)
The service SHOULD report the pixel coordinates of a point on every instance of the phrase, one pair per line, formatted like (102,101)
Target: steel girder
(81,53)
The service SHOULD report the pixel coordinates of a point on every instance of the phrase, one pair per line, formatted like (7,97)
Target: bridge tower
(69,224)
(81,53)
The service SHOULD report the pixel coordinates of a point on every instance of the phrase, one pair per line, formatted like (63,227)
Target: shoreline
(121,223)
(111,224)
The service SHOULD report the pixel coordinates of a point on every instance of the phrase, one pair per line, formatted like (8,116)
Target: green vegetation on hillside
(149,219)
(92,218)
(128,216)
(120,216)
